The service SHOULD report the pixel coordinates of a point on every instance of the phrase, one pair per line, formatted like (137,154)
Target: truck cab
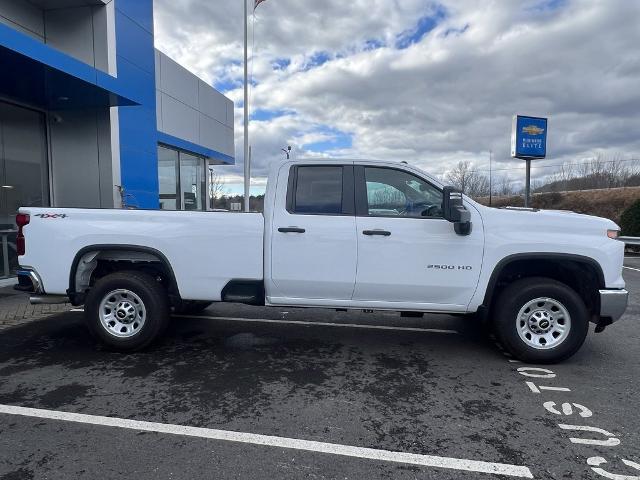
(366,235)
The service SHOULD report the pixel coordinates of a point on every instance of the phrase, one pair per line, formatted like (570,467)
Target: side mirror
(455,211)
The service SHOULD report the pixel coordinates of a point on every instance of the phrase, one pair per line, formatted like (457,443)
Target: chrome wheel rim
(122,313)
(543,323)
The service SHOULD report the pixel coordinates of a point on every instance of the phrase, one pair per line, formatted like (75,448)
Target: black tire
(155,306)
(516,296)
(190,307)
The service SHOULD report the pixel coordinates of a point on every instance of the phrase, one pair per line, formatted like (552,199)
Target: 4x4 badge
(51,215)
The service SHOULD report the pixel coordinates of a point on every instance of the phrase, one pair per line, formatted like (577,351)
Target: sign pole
(527,194)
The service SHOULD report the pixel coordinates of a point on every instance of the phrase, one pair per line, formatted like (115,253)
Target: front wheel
(127,310)
(540,320)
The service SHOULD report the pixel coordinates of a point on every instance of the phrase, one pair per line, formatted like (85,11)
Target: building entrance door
(23,173)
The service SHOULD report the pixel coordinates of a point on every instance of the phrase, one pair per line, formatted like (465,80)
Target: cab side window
(320,190)
(395,193)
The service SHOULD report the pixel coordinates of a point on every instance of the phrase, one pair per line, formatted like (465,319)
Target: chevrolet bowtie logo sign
(529,137)
(533,130)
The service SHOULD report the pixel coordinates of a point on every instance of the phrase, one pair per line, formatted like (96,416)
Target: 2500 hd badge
(450,267)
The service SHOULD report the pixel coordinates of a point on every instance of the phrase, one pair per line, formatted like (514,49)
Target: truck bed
(205,249)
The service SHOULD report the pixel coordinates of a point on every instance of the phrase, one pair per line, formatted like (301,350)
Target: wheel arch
(138,256)
(558,266)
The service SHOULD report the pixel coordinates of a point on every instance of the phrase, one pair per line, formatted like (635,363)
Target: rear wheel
(127,310)
(540,320)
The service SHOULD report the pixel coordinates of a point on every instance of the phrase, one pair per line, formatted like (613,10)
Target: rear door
(313,239)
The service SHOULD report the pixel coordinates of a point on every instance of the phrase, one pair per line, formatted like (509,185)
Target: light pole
(287,151)
(247,160)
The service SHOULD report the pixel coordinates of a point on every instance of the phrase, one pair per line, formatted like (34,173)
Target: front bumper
(613,303)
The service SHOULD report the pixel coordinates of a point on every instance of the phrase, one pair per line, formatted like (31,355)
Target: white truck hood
(555,219)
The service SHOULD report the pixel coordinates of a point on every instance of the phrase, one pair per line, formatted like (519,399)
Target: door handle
(291,230)
(382,233)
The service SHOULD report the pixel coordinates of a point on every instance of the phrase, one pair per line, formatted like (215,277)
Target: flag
(258,2)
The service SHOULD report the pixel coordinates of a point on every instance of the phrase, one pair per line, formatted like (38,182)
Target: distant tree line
(594,174)
(598,173)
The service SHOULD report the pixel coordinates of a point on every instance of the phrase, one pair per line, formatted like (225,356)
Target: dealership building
(91,115)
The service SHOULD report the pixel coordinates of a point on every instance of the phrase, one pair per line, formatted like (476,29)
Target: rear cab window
(320,190)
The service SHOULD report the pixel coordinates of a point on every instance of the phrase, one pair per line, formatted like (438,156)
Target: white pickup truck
(336,234)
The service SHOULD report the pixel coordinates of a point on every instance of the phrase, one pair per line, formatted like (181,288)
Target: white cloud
(446,98)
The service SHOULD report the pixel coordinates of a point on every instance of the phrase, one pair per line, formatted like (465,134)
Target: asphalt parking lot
(272,394)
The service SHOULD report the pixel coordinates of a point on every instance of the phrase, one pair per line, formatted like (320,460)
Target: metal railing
(630,240)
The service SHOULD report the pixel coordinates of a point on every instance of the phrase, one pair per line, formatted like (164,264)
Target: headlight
(614,234)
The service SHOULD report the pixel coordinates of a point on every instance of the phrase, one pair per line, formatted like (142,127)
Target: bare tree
(459,175)
(504,186)
(536,184)
(216,187)
(469,181)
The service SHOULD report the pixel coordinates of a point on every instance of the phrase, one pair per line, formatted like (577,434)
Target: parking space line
(280,442)
(323,324)
(631,268)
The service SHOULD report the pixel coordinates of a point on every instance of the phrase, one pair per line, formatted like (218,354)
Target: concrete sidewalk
(15,308)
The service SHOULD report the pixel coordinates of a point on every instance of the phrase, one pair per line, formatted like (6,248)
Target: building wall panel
(212,103)
(23,16)
(71,31)
(100,24)
(179,120)
(215,135)
(134,43)
(178,82)
(140,11)
(231,114)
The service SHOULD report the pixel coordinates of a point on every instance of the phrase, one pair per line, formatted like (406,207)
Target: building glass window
(167,167)
(182,179)
(191,181)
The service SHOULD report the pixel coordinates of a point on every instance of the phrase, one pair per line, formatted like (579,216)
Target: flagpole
(247,174)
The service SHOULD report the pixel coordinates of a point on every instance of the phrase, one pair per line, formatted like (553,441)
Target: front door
(408,254)
(313,240)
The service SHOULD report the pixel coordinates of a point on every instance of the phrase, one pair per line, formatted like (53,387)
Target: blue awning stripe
(187,146)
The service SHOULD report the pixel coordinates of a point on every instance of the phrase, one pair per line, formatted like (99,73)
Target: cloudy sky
(431,83)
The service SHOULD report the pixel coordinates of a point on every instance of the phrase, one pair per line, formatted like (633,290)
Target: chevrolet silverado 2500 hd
(341,235)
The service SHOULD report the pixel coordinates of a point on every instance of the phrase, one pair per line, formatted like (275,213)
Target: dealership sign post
(528,142)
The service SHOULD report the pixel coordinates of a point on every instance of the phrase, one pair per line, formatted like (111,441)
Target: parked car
(336,234)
